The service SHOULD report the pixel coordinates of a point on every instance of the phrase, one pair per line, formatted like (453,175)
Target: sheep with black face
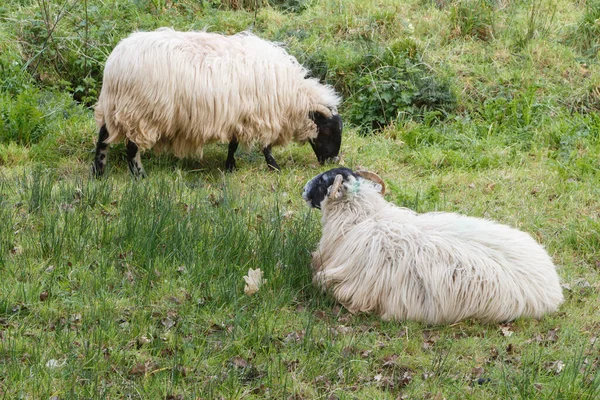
(434,267)
(177,91)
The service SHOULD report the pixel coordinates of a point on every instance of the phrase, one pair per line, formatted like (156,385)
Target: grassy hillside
(117,288)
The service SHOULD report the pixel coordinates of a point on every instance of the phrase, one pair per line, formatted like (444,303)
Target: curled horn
(373,177)
(336,185)
(323,110)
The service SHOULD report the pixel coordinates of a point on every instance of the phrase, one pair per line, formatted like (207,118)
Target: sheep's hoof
(230,166)
(97,170)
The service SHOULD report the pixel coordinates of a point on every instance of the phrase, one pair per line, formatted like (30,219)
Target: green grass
(117,288)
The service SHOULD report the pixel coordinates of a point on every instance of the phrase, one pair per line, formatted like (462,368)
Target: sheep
(176,91)
(435,268)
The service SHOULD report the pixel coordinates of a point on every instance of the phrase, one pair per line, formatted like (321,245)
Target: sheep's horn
(372,176)
(336,185)
(323,110)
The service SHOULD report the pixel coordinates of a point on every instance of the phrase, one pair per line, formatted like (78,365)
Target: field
(122,288)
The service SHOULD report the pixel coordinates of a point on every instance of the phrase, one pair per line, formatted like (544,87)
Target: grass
(116,288)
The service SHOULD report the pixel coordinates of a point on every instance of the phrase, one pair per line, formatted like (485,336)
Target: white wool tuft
(435,268)
(179,90)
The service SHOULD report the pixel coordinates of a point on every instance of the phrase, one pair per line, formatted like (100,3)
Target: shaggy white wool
(179,90)
(435,267)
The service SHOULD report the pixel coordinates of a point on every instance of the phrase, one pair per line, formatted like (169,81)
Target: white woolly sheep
(177,91)
(435,268)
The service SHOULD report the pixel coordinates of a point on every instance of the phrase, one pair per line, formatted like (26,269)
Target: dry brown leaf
(552,336)
(366,353)
(477,372)
(254,280)
(320,314)
(143,368)
(390,361)
(238,362)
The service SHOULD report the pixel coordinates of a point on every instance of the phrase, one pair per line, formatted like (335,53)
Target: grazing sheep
(177,91)
(434,267)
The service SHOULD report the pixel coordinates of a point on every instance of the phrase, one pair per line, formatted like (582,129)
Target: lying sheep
(435,268)
(177,91)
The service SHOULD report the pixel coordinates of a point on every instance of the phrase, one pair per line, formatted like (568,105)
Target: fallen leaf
(238,362)
(254,281)
(292,365)
(552,336)
(345,319)
(566,286)
(405,379)
(320,314)
(294,337)
(348,351)
(366,353)
(555,367)
(52,363)
(143,368)
(390,361)
(429,339)
(494,352)
(341,330)
(506,330)
(168,323)
(477,372)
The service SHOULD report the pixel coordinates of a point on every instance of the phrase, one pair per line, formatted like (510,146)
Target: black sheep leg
(101,153)
(230,162)
(133,160)
(271,163)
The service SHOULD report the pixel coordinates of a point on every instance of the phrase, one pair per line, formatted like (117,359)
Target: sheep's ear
(335,190)
(373,177)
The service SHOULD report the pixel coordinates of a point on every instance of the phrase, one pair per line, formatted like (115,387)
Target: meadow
(122,288)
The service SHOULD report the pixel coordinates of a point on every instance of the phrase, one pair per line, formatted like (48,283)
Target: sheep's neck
(349,212)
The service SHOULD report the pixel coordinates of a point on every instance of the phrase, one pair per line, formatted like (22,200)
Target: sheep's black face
(316,189)
(329,138)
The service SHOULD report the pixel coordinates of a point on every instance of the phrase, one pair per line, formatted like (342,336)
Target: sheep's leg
(271,163)
(101,153)
(133,160)
(230,163)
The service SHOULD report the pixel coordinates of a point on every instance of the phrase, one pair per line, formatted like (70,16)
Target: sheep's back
(438,268)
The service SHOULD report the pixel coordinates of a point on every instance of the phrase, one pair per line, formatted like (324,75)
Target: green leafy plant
(21,119)
(396,86)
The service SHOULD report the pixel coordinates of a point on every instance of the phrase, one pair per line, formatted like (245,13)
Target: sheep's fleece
(177,91)
(436,267)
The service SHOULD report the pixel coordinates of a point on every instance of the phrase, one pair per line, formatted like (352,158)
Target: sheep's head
(334,184)
(329,134)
